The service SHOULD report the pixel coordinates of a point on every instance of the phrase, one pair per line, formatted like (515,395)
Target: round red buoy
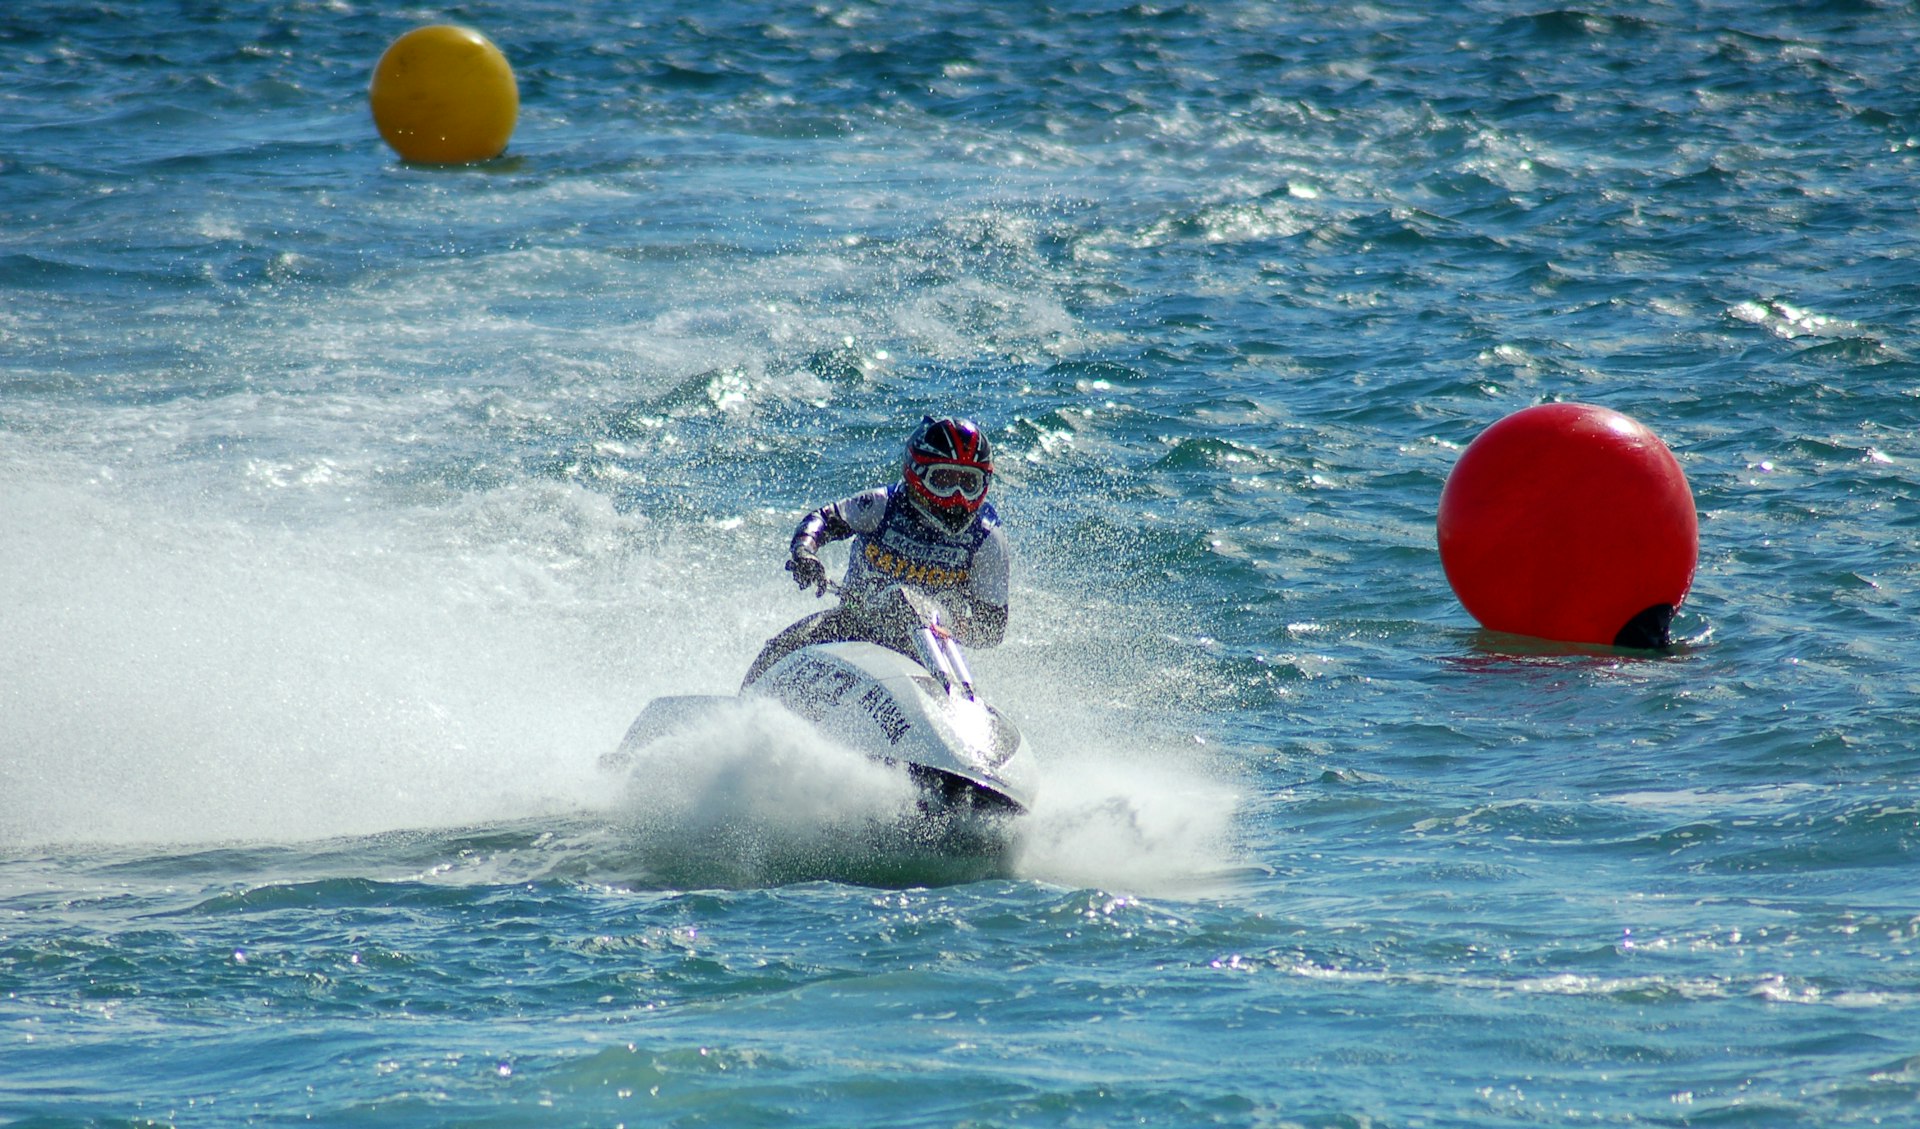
(1570,522)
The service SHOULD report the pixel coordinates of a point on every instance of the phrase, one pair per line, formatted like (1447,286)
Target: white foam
(752,794)
(177,677)
(174,675)
(1144,822)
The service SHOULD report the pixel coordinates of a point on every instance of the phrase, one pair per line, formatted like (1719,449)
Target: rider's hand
(808,572)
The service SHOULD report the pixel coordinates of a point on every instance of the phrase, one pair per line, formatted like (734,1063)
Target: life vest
(907,548)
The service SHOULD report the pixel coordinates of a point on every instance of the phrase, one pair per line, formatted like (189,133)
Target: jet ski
(919,711)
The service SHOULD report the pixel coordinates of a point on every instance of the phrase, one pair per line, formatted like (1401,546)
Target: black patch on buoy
(1648,631)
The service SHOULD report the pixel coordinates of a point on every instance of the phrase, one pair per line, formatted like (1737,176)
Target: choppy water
(350,509)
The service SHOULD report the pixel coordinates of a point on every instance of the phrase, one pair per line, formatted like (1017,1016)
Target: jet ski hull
(966,757)
(962,751)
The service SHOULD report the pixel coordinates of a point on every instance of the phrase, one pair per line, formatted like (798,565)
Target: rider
(932,531)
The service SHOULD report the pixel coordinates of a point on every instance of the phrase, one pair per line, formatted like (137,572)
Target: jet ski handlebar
(919,614)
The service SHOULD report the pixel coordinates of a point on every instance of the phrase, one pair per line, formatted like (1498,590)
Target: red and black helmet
(948,466)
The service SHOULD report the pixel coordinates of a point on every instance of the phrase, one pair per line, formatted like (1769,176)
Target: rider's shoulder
(864,510)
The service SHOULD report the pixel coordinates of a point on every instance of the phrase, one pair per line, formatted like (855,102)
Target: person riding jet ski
(933,531)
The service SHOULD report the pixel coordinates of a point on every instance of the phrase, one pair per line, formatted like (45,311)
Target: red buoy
(1570,522)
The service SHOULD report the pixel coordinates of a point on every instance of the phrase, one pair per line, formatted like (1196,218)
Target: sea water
(350,509)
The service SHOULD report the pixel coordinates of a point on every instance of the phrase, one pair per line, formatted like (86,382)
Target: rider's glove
(808,572)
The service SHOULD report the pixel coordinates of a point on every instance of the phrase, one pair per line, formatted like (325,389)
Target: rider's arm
(980,625)
(837,521)
(980,609)
(819,527)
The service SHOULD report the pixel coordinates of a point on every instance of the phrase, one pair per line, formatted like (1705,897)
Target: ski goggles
(945,480)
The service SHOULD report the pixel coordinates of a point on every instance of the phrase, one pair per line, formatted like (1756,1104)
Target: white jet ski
(921,712)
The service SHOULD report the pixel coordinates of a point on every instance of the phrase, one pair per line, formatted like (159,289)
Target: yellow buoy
(444,95)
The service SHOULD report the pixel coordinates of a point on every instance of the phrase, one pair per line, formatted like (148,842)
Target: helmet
(947,468)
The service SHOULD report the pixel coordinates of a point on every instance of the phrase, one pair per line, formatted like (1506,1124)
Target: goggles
(946,480)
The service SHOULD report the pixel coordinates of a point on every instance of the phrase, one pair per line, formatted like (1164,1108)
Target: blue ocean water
(349,510)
